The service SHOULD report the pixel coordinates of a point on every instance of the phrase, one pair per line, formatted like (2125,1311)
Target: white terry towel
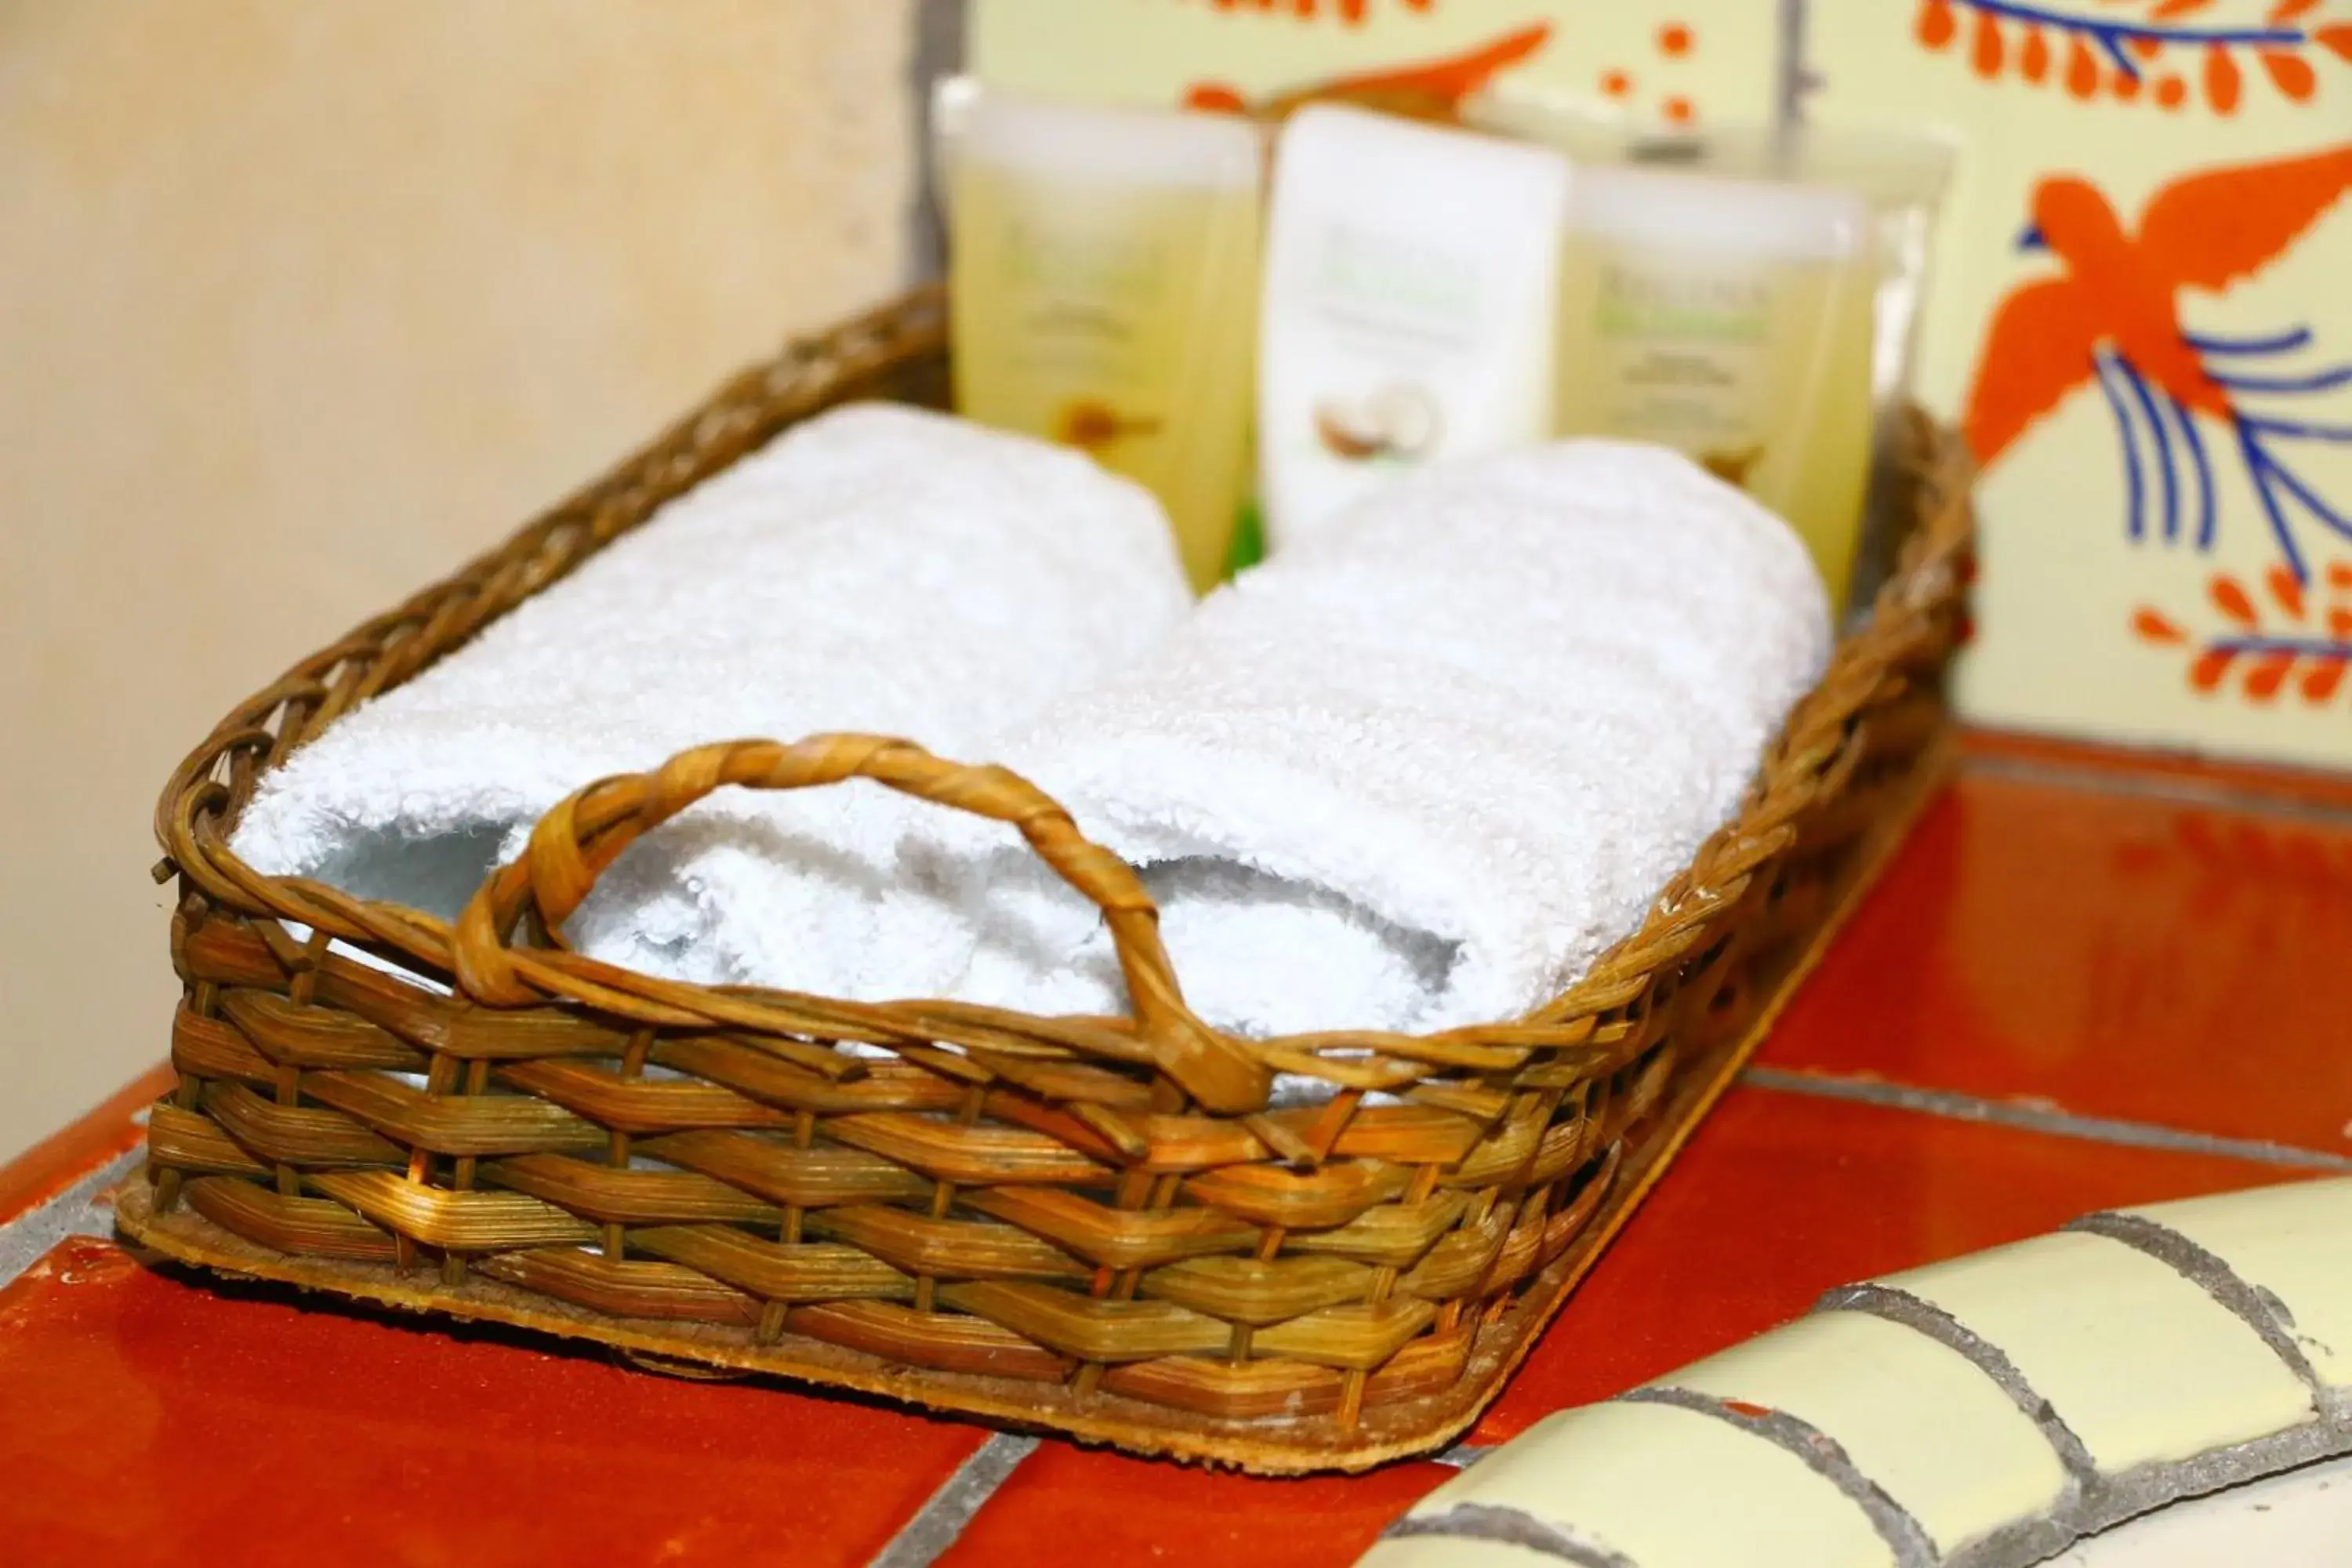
(1422,769)
(877,568)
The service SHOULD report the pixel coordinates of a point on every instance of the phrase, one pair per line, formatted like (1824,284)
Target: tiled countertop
(2085,983)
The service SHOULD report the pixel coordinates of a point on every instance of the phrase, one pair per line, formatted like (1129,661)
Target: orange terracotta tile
(1083,1505)
(2116,954)
(1783,1197)
(148,1423)
(55,1162)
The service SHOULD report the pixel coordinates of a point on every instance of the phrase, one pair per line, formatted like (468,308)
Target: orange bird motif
(1433,90)
(2112,318)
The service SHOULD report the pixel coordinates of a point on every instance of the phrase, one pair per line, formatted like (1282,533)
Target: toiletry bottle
(1411,277)
(1731,319)
(1105,266)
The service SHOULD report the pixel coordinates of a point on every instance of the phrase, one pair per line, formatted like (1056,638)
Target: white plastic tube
(1411,290)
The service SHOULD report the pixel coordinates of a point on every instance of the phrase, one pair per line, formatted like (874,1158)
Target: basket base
(1385,1432)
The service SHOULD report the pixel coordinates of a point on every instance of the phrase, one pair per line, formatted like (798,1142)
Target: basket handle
(584,833)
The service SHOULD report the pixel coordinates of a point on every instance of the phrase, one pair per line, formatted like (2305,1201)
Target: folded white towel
(877,568)
(1422,769)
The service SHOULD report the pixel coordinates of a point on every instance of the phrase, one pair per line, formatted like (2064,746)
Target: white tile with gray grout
(2180,1363)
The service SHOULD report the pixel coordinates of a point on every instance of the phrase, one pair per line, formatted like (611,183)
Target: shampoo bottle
(1731,319)
(1105,268)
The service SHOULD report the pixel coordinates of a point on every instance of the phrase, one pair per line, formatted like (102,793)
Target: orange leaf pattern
(1987,51)
(2211,667)
(2267,660)
(2285,588)
(2267,674)
(2292,73)
(2230,597)
(2082,70)
(2033,60)
(2221,81)
(2139,46)
(1937,24)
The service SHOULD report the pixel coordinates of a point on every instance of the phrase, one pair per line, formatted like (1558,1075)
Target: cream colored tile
(1670,1487)
(2140,1362)
(2293,1241)
(1945,1441)
(1453,1551)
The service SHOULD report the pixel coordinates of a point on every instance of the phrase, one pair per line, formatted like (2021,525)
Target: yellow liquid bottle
(1105,270)
(1734,322)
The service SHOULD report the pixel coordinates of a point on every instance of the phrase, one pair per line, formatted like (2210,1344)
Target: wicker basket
(1089,1225)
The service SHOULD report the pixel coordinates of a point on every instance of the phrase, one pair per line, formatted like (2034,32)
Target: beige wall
(301,302)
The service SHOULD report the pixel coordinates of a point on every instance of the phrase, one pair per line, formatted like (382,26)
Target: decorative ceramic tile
(2140,1364)
(2293,1244)
(1626,1479)
(2110,954)
(1679,61)
(2139,313)
(1861,1382)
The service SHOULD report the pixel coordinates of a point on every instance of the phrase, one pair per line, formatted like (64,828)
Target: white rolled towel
(877,568)
(1422,769)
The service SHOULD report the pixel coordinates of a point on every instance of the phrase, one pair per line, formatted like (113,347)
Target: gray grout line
(1508,1527)
(925,1538)
(2091,780)
(1961,1107)
(935,49)
(1924,1317)
(73,1212)
(1818,1452)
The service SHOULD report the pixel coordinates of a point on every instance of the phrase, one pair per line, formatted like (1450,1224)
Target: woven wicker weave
(1093,1225)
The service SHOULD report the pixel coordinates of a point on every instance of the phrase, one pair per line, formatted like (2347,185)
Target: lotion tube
(1105,267)
(1731,319)
(1411,284)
